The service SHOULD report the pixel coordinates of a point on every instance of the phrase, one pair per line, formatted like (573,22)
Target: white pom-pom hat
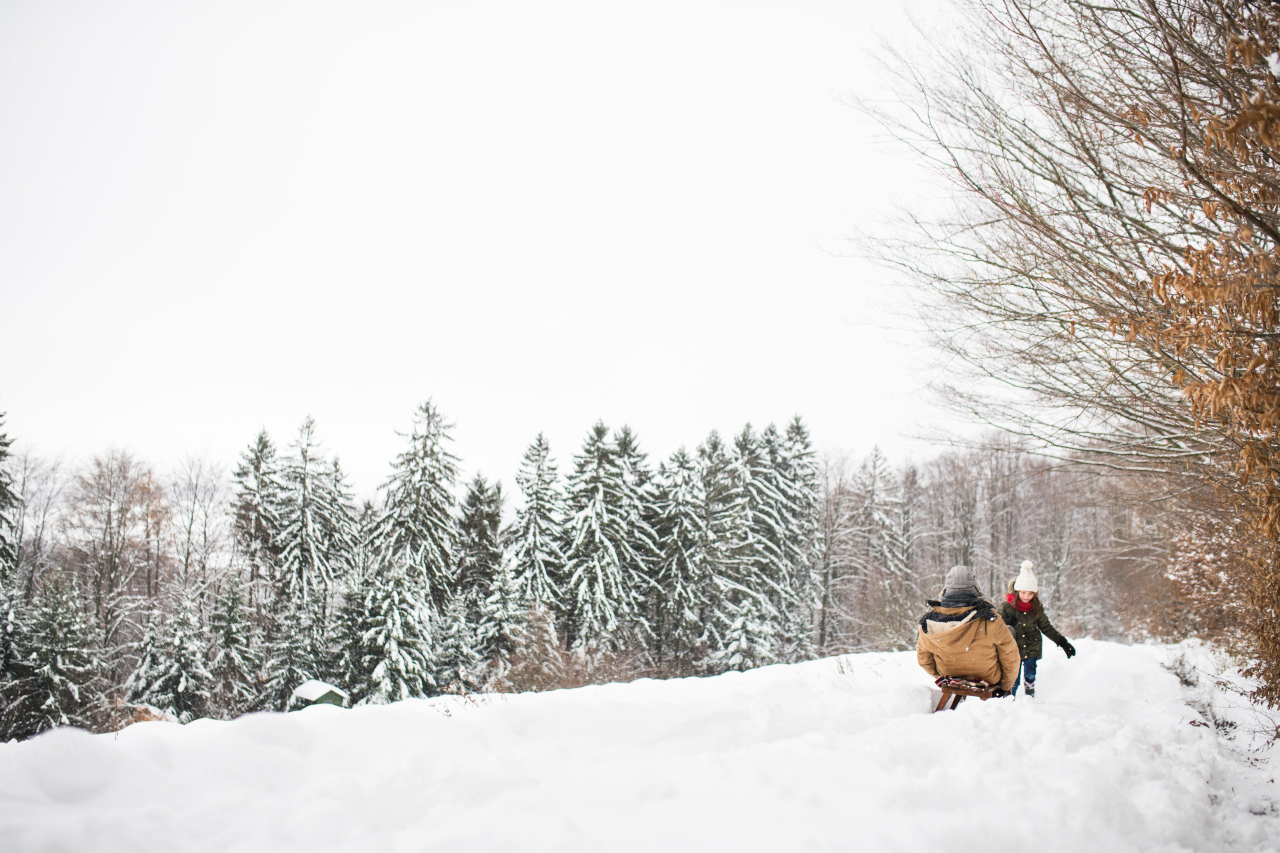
(1026,581)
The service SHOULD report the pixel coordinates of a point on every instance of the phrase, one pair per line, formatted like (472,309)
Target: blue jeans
(1029,667)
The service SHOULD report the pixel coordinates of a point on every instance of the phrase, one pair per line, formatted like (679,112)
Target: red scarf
(1016,601)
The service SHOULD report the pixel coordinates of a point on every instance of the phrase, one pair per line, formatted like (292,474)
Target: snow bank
(838,754)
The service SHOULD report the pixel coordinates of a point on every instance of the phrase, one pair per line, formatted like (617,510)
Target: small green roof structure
(315,692)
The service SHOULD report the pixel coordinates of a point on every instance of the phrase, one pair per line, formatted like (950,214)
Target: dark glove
(997,693)
(1068,648)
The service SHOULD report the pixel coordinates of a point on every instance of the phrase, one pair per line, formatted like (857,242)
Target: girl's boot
(1031,689)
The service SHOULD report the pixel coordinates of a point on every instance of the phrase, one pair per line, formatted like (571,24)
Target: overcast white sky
(221,216)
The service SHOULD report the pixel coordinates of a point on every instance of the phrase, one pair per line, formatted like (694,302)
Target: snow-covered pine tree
(756,589)
(317,541)
(751,639)
(298,648)
(13,645)
(172,674)
(257,519)
(479,549)
(684,575)
(635,471)
(397,638)
(59,673)
(150,651)
(796,479)
(777,516)
(352,619)
(10,506)
(456,661)
(236,652)
(500,629)
(641,513)
(186,690)
(535,550)
(318,532)
(604,591)
(725,528)
(418,509)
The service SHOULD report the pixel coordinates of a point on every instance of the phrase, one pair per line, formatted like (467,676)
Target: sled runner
(956,690)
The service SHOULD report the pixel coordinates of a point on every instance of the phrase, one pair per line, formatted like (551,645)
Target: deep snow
(836,754)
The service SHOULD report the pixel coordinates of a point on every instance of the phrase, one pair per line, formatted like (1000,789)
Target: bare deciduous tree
(200,520)
(114,527)
(1108,276)
(40,485)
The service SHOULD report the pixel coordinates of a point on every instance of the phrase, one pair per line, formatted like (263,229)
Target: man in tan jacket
(963,636)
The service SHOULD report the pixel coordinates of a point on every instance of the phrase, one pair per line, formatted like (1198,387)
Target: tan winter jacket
(977,647)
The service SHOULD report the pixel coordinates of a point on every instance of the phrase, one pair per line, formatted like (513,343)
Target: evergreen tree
(59,672)
(397,640)
(318,542)
(14,641)
(151,649)
(418,512)
(796,481)
(479,551)
(725,528)
(10,507)
(257,515)
(755,588)
(457,663)
(353,656)
(684,568)
(774,513)
(318,532)
(751,640)
(172,674)
(500,629)
(535,548)
(639,508)
(236,654)
(297,649)
(605,586)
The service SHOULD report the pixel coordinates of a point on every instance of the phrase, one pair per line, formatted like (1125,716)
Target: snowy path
(787,758)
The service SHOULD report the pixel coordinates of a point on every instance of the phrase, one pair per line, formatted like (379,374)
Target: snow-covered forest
(209,594)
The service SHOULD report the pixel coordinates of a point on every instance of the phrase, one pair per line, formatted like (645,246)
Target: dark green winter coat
(1027,628)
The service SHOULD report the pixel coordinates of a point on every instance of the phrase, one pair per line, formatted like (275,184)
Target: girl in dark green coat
(1025,616)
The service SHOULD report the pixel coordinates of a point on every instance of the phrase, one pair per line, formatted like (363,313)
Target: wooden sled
(956,690)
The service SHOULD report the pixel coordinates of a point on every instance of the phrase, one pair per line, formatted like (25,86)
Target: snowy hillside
(837,754)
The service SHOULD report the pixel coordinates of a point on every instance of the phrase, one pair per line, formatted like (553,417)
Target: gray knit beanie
(960,580)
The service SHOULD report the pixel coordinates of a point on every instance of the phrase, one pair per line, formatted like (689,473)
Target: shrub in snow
(536,661)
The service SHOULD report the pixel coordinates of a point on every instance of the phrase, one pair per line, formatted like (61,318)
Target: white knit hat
(1026,581)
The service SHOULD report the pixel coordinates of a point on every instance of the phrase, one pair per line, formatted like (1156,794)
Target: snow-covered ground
(837,754)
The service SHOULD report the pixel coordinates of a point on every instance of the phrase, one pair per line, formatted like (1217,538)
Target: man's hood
(941,619)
